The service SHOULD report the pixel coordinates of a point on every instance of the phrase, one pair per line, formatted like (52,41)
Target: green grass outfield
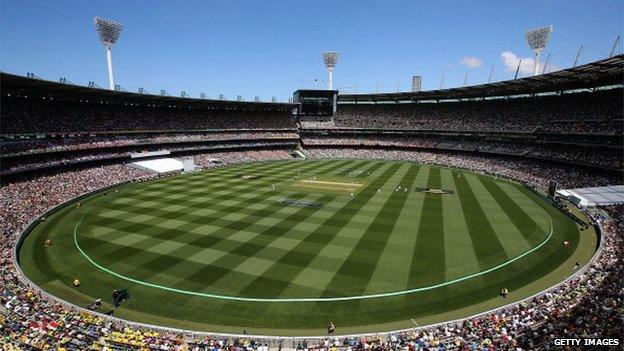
(215,251)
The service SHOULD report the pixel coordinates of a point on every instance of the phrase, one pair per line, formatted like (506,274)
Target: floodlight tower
(538,38)
(109,32)
(330,58)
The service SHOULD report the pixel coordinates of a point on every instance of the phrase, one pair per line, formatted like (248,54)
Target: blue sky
(267,48)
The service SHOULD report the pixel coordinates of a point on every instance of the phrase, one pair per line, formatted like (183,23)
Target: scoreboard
(315,103)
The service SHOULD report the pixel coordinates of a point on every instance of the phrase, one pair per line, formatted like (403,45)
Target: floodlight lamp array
(538,37)
(108,30)
(330,59)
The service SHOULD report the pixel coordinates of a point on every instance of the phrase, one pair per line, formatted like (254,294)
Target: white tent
(161,165)
(594,196)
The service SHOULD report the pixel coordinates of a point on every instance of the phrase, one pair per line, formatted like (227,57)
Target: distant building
(416,83)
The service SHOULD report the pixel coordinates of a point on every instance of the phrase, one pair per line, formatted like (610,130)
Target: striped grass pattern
(225,233)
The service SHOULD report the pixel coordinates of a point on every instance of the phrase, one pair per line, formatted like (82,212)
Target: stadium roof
(605,72)
(11,83)
(596,74)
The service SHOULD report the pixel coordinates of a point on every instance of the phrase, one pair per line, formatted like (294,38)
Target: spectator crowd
(45,161)
(591,113)
(70,131)
(94,141)
(588,304)
(607,157)
(23,114)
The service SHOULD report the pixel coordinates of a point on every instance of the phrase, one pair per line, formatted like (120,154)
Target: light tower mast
(109,32)
(538,38)
(330,58)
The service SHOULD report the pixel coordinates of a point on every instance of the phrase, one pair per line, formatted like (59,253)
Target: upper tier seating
(33,115)
(596,112)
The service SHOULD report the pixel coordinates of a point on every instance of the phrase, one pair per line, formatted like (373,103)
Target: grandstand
(485,217)
(529,119)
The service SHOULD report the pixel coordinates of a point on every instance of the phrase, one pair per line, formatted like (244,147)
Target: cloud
(511,60)
(471,61)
